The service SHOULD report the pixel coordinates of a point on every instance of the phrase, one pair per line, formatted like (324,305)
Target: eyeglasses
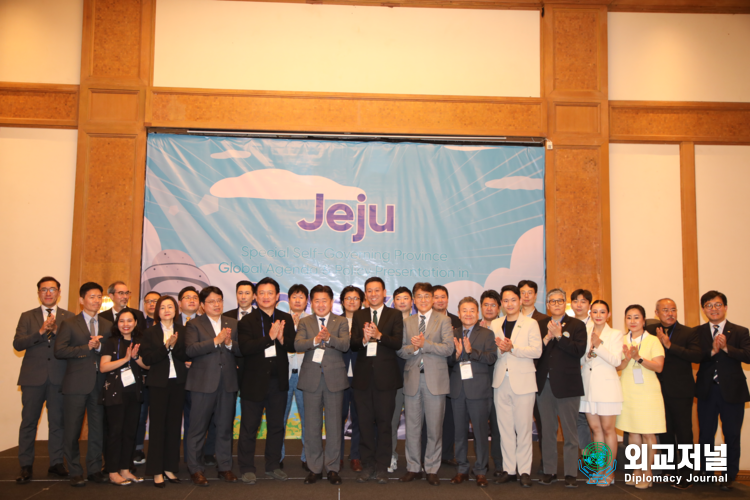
(189,297)
(556,302)
(716,306)
(149,302)
(214,302)
(351,299)
(123,294)
(48,290)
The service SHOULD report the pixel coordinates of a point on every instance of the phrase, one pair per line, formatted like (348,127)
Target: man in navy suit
(721,387)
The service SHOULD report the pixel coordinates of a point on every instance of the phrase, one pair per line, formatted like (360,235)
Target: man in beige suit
(428,341)
(519,343)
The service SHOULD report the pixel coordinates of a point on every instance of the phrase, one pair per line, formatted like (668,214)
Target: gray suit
(212,382)
(425,390)
(40,379)
(472,398)
(81,388)
(323,385)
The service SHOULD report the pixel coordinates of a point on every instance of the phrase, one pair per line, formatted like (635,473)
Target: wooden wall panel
(117,37)
(575,41)
(640,121)
(577,225)
(346,113)
(690,284)
(39,105)
(113,106)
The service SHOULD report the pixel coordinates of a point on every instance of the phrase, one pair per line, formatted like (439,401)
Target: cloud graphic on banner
(516,182)
(524,265)
(278,184)
(231,153)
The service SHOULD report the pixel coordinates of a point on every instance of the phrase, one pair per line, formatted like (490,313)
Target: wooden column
(574,82)
(116,72)
(689,235)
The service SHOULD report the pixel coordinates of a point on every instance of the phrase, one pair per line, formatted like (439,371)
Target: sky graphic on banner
(219,210)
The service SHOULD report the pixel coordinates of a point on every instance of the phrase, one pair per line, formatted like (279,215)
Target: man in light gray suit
(471,389)
(428,341)
(211,342)
(323,337)
(79,342)
(40,378)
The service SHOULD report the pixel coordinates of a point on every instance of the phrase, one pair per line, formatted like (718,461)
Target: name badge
(372,349)
(466,372)
(318,355)
(127,376)
(637,375)
(271,351)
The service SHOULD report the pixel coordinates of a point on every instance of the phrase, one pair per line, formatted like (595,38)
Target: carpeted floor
(48,488)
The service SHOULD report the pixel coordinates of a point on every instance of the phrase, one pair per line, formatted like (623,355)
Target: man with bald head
(681,350)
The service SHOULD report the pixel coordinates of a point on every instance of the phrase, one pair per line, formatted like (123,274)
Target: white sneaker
(394,463)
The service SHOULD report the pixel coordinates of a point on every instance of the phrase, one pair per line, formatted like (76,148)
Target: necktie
(187,320)
(322,325)
(421,332)
(716,370)
(375,317)
(49,334)
(242,314)
(466,332)
(92,327)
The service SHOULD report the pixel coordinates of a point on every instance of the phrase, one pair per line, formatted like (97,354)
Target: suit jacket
(561,359)
(178,319)
(518,363)
(455,321)
(140,318)
(483,356)
(156,356)
(254,341)
(599,374)
(729,364)
(209,361)
(438,345)
(82,368)
(332,367)
(383,367)
(39,362)
(676,378)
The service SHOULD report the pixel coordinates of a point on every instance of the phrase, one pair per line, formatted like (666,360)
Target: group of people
(499,366)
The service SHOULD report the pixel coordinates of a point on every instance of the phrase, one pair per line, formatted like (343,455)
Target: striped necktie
(716,369)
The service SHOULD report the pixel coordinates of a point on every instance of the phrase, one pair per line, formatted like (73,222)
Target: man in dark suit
(377,334)
(681,350)
(721,387)
(560,387)
(149,307)
(211,342)
(351,299)
(266,336)
(489,308)
(120,295)
(245,296)
(40,378)
(323,337)
(79,342)
(471,389)
(440,304)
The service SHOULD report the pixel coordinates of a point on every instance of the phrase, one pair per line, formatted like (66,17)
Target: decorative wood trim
(550,218)
(38,105)
(332,112)
(605,262)
(691,290)
(700,122)
(688,6)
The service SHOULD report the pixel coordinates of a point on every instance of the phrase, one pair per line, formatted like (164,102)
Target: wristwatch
(640,361)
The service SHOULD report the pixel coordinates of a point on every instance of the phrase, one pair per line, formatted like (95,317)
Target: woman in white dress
(602,401)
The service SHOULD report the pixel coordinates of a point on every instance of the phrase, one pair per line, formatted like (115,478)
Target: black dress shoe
(525,481)
(571,482)
(176,480)
(726,486)
(333,477)
(163,484)
(209,460)
(58,470)
(498,473)
(506,478)
(433,480)
(98,477)
(25,475)
(77,481)
(312,478)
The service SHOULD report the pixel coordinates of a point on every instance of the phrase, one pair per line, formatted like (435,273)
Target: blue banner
(219,210)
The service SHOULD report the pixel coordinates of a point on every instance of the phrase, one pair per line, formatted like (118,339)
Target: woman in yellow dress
(643,405)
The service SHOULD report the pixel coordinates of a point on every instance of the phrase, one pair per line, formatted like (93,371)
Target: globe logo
(597,463)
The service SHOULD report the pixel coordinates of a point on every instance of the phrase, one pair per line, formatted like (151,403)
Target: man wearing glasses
(560,387)
(211,342)
(149,307)
(120,295)
(721,387)
(40,378)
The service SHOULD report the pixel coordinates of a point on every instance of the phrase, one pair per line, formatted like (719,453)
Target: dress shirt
(45,314)
(372,315)
(240,310)
(185,317)
(721,328)
(168,332)
(217,330)
(419,320)
(318,318)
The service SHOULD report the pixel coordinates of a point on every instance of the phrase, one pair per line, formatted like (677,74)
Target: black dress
(122,405)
